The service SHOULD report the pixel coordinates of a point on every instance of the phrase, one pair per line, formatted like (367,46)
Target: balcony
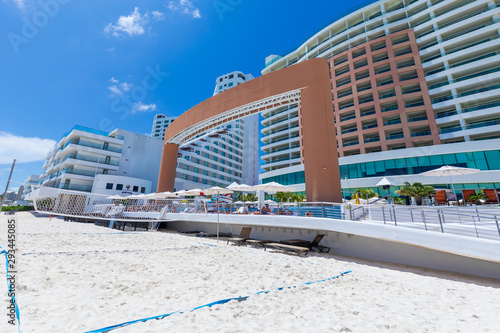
(369,140)
(92,145)
(76,187)
(352,143)
(422,133)
(91,159)
(395,136)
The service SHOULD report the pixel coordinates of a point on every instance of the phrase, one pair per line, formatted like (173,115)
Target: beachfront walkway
(76,277)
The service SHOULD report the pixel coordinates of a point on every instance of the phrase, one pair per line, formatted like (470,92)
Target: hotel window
(222,177)
(119,187)
(213,183)
(215,150)
(206,155)
(215,158)
(196,170)
(214,175)
(135,189)
(230,84)
(109,186)
(204,181)
(143,190)
(205,164)
(195,179)
(105,171)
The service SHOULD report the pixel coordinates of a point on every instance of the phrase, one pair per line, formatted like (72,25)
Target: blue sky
(111,64)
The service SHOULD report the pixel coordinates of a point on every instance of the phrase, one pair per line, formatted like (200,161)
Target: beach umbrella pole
(217,217)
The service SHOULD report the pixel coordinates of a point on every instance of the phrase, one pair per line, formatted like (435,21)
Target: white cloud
(117,88)
(185,6)
(23,149)
(140,107)
(132,25)
(21,4)
(158,16)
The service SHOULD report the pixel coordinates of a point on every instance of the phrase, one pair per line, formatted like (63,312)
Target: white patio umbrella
(164,195)
(195,191)
(449,171)
(240,188)
(116,197)
(216,190)
(386,184)
(273,187)
(180,193)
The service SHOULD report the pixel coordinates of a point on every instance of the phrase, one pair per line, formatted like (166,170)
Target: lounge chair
(244,235)
(311,245)
(315,244)
(492,196)
(288,248)
(260,242)
(467,193)
(11,212)
(440,197)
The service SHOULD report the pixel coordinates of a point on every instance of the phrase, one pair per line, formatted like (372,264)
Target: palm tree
(366,193)
(282,196)
(477,197)
(297,198)
(416,190)
(250,197)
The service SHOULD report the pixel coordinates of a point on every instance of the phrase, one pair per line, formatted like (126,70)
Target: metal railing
(473,221)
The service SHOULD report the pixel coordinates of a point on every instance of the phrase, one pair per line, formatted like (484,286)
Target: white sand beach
(75,277)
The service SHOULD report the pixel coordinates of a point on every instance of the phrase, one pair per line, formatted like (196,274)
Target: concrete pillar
(166,179)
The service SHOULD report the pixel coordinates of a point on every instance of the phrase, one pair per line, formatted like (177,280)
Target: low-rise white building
(84,155)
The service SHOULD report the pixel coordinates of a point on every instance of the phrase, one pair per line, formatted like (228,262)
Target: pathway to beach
(75,277)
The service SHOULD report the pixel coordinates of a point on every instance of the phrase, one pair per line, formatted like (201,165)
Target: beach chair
(440,197)
(492,196)
(288,248)
(256,242)
(244,235)
(315,244)
(466,193)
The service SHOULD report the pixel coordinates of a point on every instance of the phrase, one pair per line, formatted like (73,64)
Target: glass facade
(482,160)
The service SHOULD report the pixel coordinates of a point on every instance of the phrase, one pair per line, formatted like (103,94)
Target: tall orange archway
(307,82)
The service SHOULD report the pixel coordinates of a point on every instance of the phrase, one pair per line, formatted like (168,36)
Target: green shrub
(19,208)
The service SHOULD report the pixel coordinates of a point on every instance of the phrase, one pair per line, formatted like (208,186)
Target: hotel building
(89,160)
(31,180)
(229,153)
(160,124)
(415,85)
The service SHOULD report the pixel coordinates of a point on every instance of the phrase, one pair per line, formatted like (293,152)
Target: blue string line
(223,301)
(13,299)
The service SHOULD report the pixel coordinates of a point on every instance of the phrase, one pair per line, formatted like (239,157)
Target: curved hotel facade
(415,85)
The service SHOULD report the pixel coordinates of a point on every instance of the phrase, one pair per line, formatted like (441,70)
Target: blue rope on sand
(223,301)
(13,299)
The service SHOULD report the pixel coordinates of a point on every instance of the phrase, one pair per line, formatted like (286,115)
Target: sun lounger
(256,242)
(315,244)
(287,248)
(311,245)
(244,235)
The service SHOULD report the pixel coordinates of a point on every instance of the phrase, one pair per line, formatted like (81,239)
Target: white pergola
(289,97)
